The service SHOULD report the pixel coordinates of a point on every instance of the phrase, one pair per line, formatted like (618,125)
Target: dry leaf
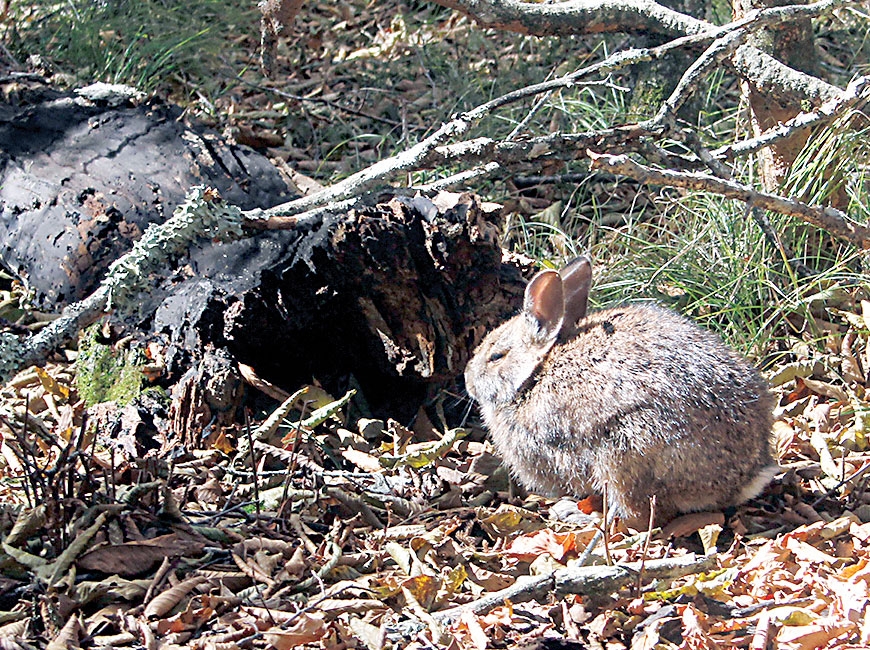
(69,636)
(526,548)
(309,628)
(132,558)
(810,637)
(166,601)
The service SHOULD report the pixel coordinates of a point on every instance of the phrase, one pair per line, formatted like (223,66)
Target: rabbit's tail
(756,485)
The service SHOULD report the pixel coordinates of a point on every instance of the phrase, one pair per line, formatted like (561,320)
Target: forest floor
(361,533)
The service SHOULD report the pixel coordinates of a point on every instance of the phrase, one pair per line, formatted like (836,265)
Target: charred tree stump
(389,297)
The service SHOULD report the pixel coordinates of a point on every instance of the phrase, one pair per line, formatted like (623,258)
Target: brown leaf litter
(368,534)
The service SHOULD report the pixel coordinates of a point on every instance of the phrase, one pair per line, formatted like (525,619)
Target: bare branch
(834,221)
(575,17)
(857,92)
(462,178)
(718,50)
(363,180)
(34,350)
(585,580)
(578,17)
(779,80)
(424,152)
(200,215)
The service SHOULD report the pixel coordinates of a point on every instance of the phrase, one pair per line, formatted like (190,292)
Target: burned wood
(387,295)
(80,181)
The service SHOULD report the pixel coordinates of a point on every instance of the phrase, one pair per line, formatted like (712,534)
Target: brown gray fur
(637,398)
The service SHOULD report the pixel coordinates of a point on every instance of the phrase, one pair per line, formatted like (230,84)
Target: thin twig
(253,464)
(646,543)
(760,217)
(315,100)
(785,251)
(856,474)
(462,178)
(607,518)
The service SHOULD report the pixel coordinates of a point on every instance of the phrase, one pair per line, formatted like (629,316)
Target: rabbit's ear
(544,304)
(576,280)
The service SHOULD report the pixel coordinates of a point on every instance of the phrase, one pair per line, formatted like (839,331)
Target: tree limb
(574,17)
(587,581)
(834,221)
(857,92)
(578,17)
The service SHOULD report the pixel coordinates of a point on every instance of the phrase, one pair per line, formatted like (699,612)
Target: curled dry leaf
(526,548)
(29,520)
(167,600)
(686,525)
(812,636)
(197,613)
(69,636)
(850,366)
(308,628)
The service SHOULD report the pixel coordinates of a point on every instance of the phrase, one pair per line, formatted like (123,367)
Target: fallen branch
(858,91)
(200,215)
(435,147)
(523,589)
(575,17)
(836,222)
(586,581)
(604,580)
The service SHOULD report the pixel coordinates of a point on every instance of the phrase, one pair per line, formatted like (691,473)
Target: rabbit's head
(509,355)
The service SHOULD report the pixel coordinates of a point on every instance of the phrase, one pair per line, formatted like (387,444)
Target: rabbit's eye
(498,354)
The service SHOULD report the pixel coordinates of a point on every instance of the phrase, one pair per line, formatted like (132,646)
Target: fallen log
(388,296)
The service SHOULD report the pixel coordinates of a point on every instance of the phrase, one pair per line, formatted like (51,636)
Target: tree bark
(792,44)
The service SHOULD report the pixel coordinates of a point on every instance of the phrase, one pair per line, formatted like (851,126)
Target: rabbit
(636,398)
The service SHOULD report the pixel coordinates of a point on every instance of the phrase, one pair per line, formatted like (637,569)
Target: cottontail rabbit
(636,398)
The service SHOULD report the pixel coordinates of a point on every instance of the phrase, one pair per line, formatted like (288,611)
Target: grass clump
(148,44)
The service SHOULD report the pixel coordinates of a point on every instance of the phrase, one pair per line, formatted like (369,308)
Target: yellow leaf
(505,520)
(423,588)
(455,577)
(794,616)
(48,383)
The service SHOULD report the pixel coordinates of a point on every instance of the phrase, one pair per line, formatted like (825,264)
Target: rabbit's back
(646,402)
